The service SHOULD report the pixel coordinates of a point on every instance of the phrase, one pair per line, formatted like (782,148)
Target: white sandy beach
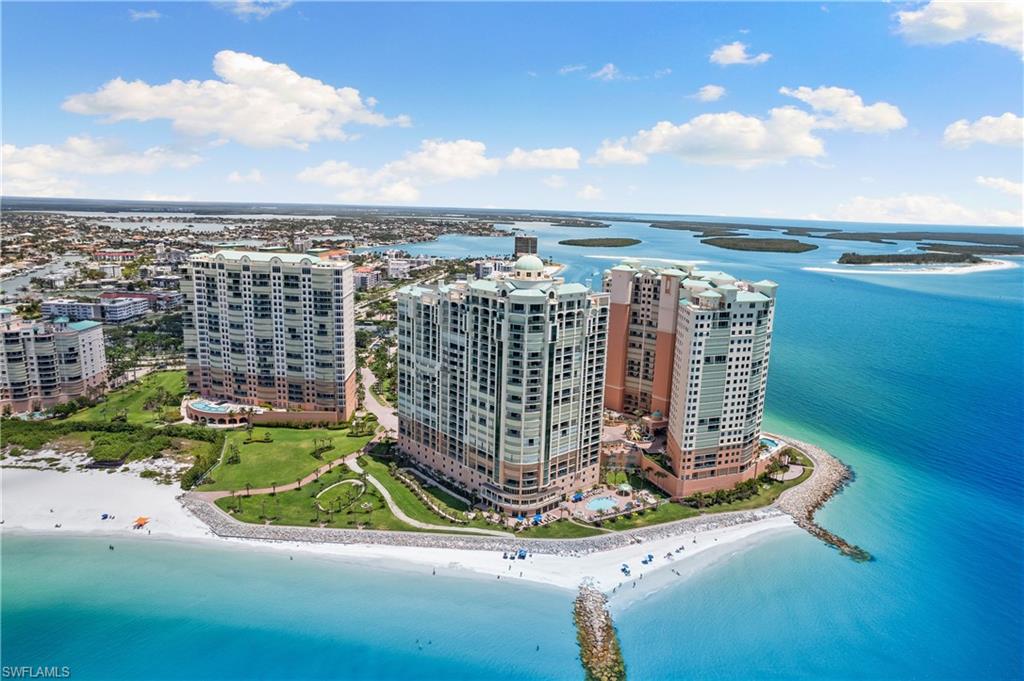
(78,498)
(987,266)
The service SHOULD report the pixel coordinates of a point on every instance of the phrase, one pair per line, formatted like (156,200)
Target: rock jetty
(830,476)
(599,644)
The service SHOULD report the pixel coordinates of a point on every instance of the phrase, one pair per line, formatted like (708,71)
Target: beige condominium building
(695,345)
(272,329)
(500,385)
(46,363)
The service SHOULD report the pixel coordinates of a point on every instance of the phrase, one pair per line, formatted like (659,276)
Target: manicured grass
(170,385)
(409,502)
(288,457)
(296,507)
(560,529)
(446,498)
(767,494)
(665,513)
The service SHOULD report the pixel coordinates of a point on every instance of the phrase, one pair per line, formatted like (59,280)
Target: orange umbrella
(141,520)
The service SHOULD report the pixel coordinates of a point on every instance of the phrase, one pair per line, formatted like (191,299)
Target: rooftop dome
(529,263)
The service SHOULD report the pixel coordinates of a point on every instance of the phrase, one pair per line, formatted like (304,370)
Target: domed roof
(529,263)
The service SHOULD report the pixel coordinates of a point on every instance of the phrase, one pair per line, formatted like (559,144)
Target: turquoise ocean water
(916,381)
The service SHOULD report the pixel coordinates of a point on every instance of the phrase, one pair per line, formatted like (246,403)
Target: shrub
(148,474)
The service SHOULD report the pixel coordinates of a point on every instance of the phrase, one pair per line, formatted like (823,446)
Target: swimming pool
(203,405)
(601,504)
(769,443)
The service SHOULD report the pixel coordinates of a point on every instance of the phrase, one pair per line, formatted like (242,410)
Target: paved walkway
(213,496)
(400,514)
(353,464)
(385,415)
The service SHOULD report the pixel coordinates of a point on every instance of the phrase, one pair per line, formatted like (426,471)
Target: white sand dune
(78,498)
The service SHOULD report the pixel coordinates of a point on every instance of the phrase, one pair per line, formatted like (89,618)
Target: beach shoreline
(78,498)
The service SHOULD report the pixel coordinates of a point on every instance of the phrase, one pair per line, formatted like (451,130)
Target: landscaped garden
(153,399)
(262,457)
(352,506)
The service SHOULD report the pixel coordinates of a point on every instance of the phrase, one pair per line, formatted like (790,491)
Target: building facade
(112,310)
(272,328)
(642,337)
(723,345)
(525,244)
(47,363)
(500,385)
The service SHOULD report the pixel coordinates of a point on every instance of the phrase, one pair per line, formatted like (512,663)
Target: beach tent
(537,518)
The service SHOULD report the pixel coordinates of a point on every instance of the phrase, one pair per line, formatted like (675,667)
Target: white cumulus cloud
(435,161)
(254,176)
(561,158)
(590,193)
(921,209)
(48,170)
(746,141)
(941,23)
(736,53)
(255,102)
(847,110)
(617,152)
(1001,184)
(1006,130)
(571,68)
(710,93)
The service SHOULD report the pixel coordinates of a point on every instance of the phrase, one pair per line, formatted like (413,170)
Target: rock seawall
(830,476)
(599,644)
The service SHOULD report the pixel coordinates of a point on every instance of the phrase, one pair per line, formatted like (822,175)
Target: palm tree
(298,483)
(248,486)
(273,488)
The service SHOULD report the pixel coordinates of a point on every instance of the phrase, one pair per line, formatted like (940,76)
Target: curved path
(218,494)
(400,514)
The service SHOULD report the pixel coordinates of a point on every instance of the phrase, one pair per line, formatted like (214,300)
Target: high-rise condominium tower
(695,346)
(500,384)
(641,337)
(271,328)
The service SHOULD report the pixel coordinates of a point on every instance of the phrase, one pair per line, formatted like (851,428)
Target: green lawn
(295,507)
(665,513)
(409,502)
(162,389)
(449,500)
(767,494)
(288,457)
(560,529)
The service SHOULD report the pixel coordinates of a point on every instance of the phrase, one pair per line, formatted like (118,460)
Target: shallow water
(914,381)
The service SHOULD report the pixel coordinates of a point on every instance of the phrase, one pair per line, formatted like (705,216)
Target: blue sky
(902,112)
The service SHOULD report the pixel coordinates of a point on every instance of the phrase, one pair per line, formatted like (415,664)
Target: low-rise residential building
(399,268)
(116,255)
(111,308)
(45,363)
(366,278)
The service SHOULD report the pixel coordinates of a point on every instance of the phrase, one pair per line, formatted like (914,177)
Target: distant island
(750,244)
(598,243)
(908,259)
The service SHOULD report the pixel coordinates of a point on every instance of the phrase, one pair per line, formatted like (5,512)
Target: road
(385,415)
